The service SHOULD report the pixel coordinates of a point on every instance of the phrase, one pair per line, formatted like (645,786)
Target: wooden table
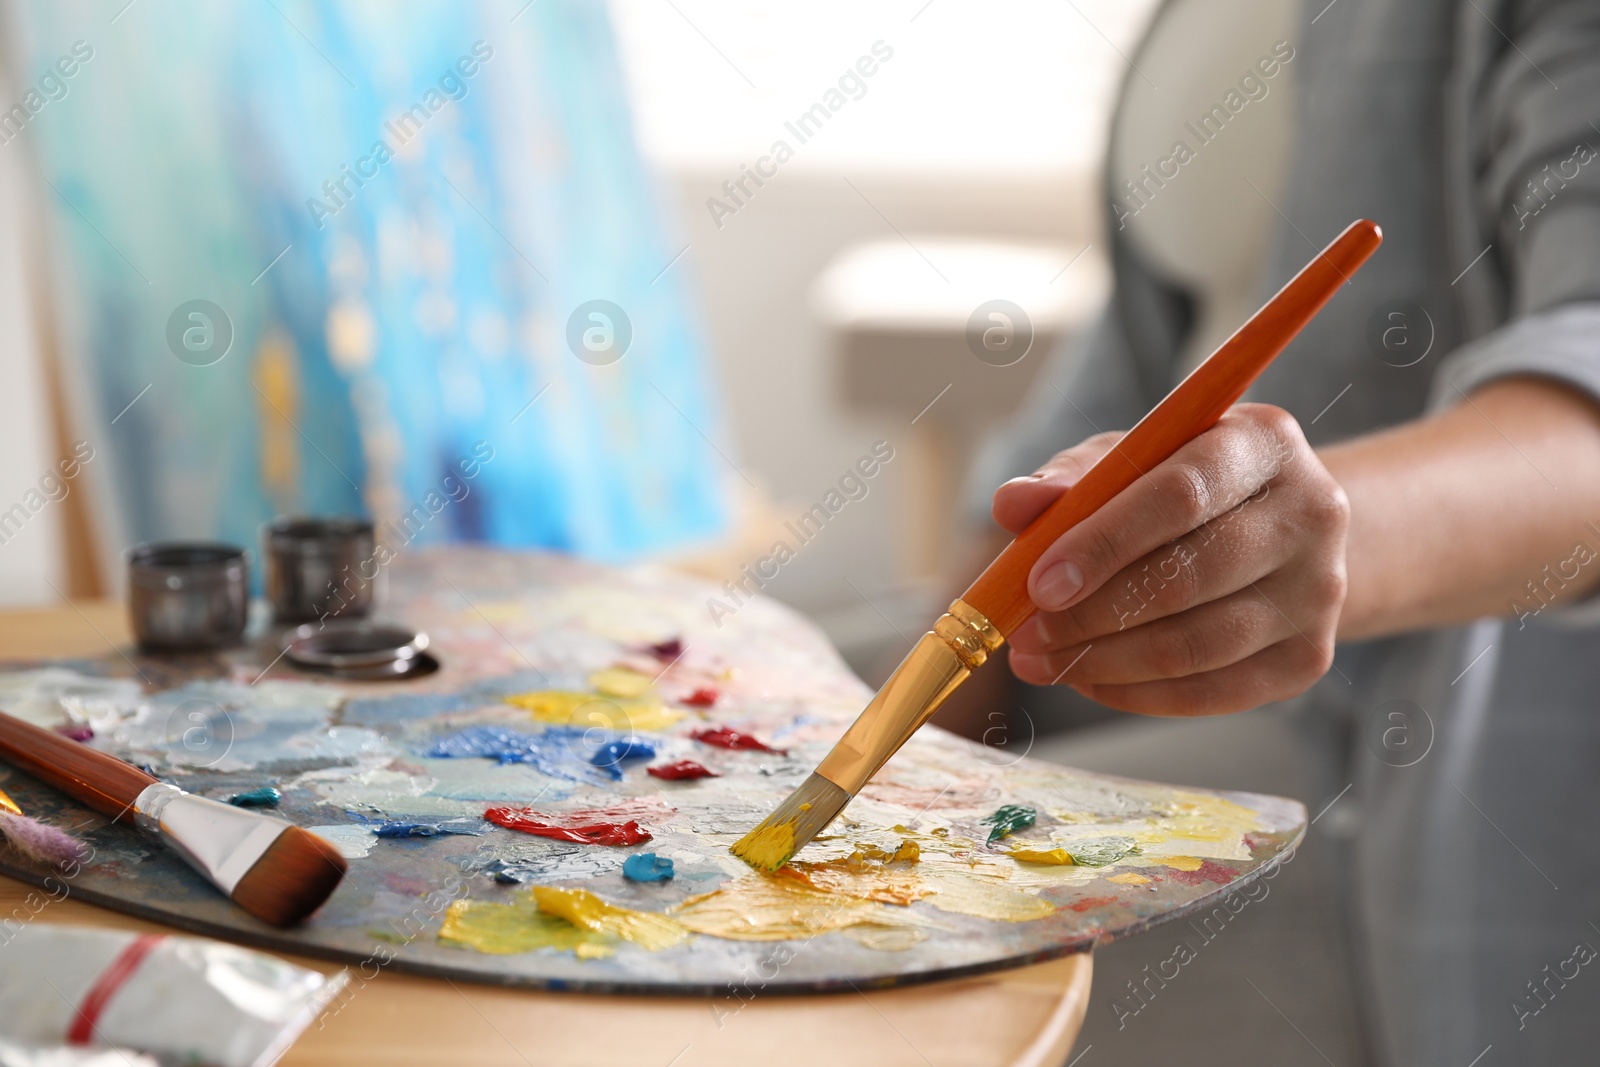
(1027,1017)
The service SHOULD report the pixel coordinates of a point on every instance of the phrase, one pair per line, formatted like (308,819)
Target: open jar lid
(358,648)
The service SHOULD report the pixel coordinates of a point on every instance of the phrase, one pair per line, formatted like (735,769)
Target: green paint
(1101,851)
(1008,819)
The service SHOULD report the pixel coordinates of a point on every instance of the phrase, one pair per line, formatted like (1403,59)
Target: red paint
(580,829)
(681,770)
(112,979)
(1208,872)
(727,737)
(1091,902)
(701,698)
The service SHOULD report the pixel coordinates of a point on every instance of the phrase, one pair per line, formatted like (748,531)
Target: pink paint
(1207,872)
(76,731)
(1091,902)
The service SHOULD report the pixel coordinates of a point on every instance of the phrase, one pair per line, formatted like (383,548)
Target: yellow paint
(1199,817)
(647,929)
(1183,863)
(869,873)
(586,709)
(1129,879)
(7,804)
(984,896)
(507,929)
(620,682)
(782,907)
(908,852)
(767,847)
(1055,857)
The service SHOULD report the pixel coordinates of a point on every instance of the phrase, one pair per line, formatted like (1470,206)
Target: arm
(1221,581)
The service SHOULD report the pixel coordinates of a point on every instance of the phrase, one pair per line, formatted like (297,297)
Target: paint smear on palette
(588,710)
(469,827)
(781,907)
(647,867)
(582,828)
(265,797)
(680,771)
(727,737)
(508,929)
(864,879)
(1129,878)
(969,891)
(1008,819)
(532,859)
(647,929)
(1206,872)
(610,756)
(352,840)
(558,752)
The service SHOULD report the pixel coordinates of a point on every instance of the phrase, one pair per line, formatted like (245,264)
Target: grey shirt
(1464,128)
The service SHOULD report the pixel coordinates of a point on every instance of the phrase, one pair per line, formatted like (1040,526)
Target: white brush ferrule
(220,841)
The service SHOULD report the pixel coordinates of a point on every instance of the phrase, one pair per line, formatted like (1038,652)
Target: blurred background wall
(975,149)
(835,293)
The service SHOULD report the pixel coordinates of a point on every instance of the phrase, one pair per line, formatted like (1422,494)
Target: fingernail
(1058,584)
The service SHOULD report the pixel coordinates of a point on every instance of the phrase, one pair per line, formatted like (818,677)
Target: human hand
(1213,584)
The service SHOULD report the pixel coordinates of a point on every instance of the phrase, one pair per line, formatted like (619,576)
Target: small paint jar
(188,596)
(319,568)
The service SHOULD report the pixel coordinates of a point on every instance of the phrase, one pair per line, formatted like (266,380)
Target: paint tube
(183,999)
(65,1056)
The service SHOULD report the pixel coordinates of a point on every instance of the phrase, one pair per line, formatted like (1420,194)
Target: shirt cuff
(1562,344)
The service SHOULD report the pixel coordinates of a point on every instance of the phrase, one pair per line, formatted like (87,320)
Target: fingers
(1021,500)
(1215,635)
(1210,475)
(1279,672)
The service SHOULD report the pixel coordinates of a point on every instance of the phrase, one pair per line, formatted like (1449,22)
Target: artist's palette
(557,679)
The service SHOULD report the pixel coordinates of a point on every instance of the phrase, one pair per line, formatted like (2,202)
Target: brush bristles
(803,815)
(296,873)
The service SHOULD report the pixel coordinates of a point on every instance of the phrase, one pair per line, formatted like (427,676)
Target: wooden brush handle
(1001,591)
(103,782)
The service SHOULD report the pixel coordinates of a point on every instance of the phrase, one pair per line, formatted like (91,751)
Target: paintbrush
(37,841)
(992,608)
(269,867)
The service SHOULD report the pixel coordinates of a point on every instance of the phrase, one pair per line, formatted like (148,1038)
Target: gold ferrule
(961,640)
(9,805)
(972,636)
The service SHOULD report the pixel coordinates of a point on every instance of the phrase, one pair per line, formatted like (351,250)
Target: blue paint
(265,797)
(559,751)
(474,827)
(609,756)
(647,867)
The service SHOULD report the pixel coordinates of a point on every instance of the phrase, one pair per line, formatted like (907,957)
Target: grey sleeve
(1562,344)
(1088,385)
(1536,156)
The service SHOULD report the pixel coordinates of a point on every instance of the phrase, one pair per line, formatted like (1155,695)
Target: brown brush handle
(103,782)
(1001,591)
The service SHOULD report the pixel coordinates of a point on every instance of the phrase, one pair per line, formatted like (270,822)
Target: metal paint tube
(182,999)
